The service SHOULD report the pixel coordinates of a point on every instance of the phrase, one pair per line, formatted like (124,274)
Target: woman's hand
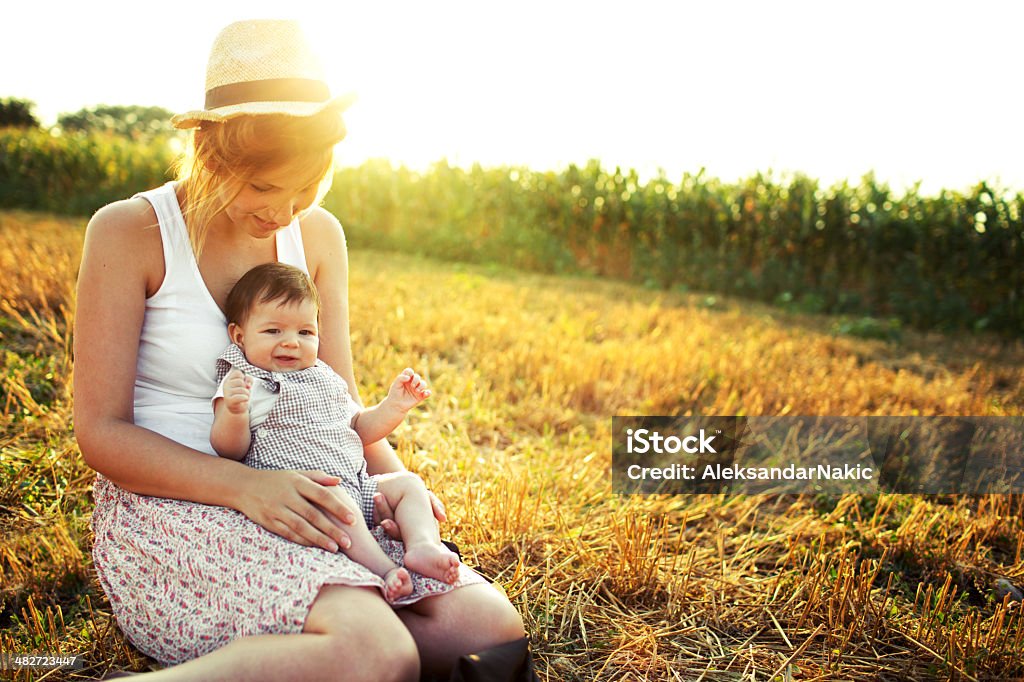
(297,505)
(384,515)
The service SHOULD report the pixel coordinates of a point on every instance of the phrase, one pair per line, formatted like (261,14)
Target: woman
(223,571)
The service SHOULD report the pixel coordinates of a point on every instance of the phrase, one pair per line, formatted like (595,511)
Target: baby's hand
(237,389)
(408,390)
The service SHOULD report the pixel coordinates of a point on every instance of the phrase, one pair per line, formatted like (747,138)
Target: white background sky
(926,91)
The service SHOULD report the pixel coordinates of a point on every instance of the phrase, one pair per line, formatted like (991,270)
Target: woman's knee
(481,609)
(364,637)
(385,651)
(508,624)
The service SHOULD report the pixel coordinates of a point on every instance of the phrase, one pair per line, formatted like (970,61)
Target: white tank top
(184,331)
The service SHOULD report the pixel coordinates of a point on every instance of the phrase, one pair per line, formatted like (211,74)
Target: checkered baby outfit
(309,426)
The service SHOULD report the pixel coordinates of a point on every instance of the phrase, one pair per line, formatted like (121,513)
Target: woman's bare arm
(118,272)
(327,258)
(122,264)
(326,250)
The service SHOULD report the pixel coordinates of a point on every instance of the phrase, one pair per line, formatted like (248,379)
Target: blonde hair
(222,156)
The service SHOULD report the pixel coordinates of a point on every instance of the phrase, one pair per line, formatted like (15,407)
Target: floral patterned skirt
(185,578)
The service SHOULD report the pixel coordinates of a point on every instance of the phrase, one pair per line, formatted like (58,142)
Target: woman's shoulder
(125,220)
(127,233)
(323,240)
(320,227)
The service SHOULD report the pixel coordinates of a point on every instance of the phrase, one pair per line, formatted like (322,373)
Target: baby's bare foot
(433,561)
(397,583)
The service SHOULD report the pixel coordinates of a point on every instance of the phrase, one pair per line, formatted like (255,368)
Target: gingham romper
(308,427)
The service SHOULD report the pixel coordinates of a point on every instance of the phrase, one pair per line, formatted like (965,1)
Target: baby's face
(279,337)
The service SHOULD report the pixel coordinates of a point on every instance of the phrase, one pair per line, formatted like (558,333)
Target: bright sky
(915,90)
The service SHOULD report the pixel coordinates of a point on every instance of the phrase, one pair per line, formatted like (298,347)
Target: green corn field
(947,261)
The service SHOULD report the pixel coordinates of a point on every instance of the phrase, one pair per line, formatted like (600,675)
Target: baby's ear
(235,334)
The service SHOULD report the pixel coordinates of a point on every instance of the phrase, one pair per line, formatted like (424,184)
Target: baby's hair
(266,283)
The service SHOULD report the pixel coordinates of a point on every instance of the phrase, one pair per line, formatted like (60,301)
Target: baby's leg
(424,552)
(365,550)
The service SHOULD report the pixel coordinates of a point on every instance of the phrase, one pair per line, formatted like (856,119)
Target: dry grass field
(527,371)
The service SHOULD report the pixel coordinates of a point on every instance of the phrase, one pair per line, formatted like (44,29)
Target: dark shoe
(511,662)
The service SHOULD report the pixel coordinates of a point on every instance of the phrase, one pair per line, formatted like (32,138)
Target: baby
(279,407)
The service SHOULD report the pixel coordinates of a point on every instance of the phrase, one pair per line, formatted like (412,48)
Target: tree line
(132,121)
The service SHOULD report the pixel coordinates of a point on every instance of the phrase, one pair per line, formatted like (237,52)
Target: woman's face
(270,200)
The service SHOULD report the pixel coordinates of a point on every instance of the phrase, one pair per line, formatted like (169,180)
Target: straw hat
(263,67)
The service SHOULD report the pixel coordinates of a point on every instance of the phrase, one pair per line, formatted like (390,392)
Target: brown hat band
(268,90)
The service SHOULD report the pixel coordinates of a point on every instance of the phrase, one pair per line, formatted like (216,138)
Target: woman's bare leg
(463,621)
(350,634)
